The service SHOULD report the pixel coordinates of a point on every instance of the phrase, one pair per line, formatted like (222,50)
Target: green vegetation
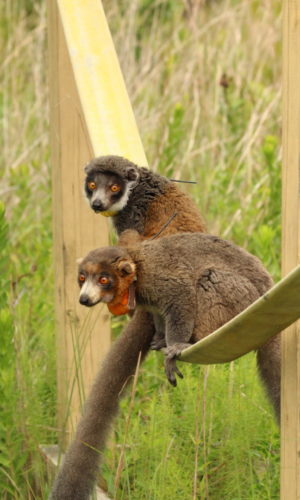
(203,78)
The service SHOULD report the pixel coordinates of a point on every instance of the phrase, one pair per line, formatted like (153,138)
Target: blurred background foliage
(204,82)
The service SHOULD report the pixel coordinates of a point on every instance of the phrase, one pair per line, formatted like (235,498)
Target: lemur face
(107,191)
(103,276)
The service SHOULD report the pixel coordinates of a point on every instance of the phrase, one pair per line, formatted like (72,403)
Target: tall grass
(204,81)
(204,78)
(27,329)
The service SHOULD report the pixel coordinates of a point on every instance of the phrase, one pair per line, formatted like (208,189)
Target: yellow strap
(108,213)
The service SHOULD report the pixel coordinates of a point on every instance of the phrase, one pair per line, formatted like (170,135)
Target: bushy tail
(78,473)
(269,366)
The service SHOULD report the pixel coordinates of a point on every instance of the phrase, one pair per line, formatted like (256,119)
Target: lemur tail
(269,366)
(78,473)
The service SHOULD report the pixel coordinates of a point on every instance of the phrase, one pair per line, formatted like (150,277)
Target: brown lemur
(139,199)
(195,282)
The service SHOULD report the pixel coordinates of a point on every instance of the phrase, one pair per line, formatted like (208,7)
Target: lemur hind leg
(237,297)
(223,295)
(220,295)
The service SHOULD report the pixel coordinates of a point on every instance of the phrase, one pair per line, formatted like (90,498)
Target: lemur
(195,282)
(139,199)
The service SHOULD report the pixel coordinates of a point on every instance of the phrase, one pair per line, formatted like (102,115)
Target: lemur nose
(84,300)
(97,206)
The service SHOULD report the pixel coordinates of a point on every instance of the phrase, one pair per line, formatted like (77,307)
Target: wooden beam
(290,409)
(90,115)
(103,95)
(270,314)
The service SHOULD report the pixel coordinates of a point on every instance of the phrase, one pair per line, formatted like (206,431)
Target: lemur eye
(81,278)
(103,280)
(115,188)
(92,185)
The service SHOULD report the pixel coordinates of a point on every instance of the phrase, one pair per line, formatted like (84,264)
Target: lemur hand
(171,354)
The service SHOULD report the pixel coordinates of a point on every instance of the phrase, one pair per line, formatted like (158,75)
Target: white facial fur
(120,204)
(90,289)
(101,194)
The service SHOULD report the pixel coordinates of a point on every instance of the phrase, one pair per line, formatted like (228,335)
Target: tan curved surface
(270,314)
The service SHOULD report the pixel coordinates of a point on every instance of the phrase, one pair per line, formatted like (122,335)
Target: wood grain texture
(90,114)
(290,423)
(107,109)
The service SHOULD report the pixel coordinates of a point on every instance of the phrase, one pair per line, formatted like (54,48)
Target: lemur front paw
(171,354)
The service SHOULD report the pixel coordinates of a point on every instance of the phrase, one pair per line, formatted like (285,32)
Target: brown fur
(163,207)
(195,282)
(147,214)
(151,203)
(77,475)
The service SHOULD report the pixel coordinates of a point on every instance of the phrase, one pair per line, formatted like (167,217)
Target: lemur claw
(171,369)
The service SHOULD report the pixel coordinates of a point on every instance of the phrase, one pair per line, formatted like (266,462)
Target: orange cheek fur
(121,307)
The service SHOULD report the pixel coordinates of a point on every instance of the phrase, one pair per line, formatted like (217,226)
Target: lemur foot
(157,343)
(171,354)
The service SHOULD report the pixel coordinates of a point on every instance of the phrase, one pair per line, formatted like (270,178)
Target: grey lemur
(194,282)
(139,199)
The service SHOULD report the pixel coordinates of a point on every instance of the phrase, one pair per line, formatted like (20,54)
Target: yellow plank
(108,113)
(290,409)
(268,315)
(90,115)
(83,337)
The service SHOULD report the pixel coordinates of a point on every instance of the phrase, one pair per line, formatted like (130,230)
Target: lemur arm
(179,318)
(159,338)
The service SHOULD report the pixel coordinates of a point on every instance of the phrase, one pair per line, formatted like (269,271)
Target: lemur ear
(126,267)
(88,168)
(132,174)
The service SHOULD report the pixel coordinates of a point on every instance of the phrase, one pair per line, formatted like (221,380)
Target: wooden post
(290,433)
(90,115)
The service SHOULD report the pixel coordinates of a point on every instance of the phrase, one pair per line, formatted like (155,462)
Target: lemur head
(105,275)
(109,181)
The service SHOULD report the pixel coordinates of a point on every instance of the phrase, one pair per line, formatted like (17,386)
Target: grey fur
(152,201)
(78,472)
(195,282)
(80,466)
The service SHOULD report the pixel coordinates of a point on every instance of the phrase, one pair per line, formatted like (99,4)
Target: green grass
(215,426)
(204,80)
